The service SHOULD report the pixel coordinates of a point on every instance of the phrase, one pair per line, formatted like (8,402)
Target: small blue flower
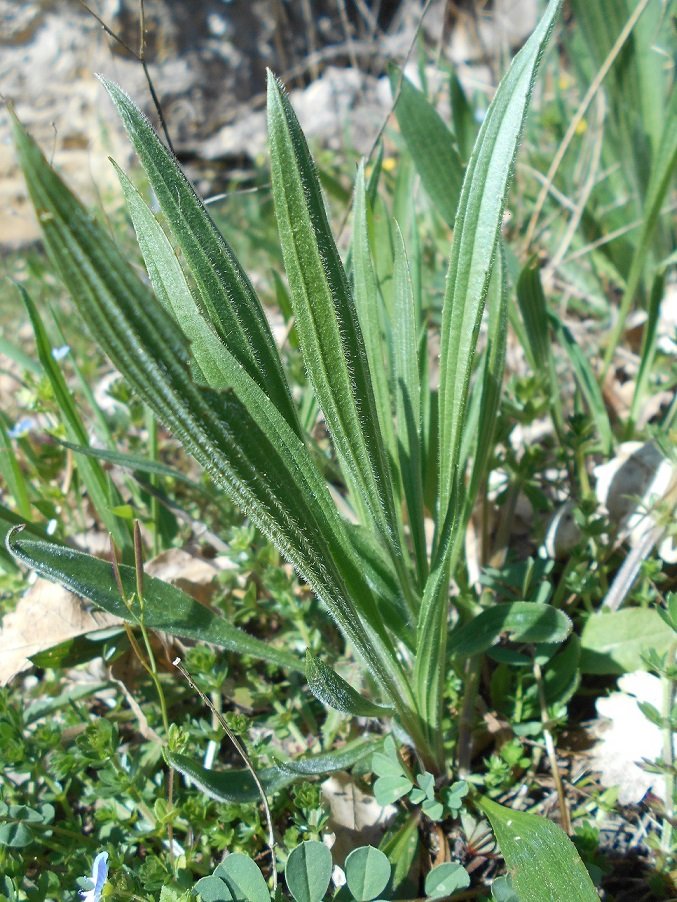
(97,879)
(60,353)
(22,426)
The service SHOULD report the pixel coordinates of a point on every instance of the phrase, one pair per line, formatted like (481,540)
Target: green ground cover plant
(364,458)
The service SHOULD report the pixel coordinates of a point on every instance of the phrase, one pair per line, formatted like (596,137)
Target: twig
(245,757)
(139,57)
(580,113)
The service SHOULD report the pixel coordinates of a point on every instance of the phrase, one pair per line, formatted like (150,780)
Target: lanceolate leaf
(326,319)
(223,288)
(368,302)
(334,691)
(408,401)
(164,607)
(431,145)
(103,494)
(237,435)
(472,254)
(239,786)
(541,858)
(474,245)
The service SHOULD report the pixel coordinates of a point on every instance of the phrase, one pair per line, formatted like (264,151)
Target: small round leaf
(308,871)
(243,878)
(213,889)
(446,879)
(367,873)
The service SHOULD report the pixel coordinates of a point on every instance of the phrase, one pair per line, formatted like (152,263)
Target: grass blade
(333,691)
(587,383)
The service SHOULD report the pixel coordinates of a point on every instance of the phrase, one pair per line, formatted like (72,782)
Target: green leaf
(389,789)
(401,848)
(326,319)
(369,306)
(446,879)
(405,331)
(12,474)
(243,878)
(502,891)
(333,691)
(588,384)
(238,786)
(474,245)
(367,873)
(431,145)
(616,641)
(238,435)
(523,621)
(224,290)
(543,862)
(473,250)
(213,889)
(102,493)
(165,607)
(308,871)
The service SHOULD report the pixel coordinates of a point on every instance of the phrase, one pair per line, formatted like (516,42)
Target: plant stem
(550,749)
(465,723)
(668,756)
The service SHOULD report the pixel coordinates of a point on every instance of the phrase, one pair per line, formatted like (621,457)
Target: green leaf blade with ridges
(238,436)
(326,319)
(165,607)
(431,145)
(473,250)
(224,288)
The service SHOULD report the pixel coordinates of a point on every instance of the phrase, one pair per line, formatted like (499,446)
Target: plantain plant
(198,349)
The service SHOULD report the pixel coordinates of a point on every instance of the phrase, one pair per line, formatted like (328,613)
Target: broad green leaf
(522,621)
(473,250)
(431,145)
(308,871)
(408,401)
(446,879)
(213,889)
(367,873)
(389,789)
(101,491)
(224,290)
(238,786)
(165,607)
(333,691)
(616,641)
(243,877)
(238,435)
(543,862)
(326,319)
